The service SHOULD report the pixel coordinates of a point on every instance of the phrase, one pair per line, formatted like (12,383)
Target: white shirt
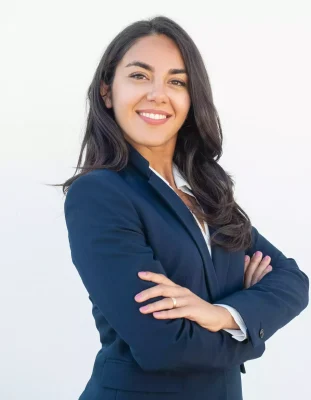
(183,185)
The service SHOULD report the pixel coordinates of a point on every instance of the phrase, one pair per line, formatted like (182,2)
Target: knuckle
(248,275)
(160,289)
(256,276)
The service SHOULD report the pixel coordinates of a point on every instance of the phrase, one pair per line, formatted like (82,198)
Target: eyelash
(174,80)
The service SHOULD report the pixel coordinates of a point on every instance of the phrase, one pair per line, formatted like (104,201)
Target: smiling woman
(143,78)
(152,197)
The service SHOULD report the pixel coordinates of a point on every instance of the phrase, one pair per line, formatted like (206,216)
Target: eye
(178,83)
(137,76)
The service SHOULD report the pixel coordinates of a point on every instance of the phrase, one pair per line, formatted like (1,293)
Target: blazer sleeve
(108,248)
(276,299)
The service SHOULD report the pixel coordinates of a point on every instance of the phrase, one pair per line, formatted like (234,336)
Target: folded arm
(276,299)
(108,248)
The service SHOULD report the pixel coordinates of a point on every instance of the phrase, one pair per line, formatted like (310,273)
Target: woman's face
(149,94)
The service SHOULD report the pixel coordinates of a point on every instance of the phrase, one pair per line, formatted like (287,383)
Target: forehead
(157,50)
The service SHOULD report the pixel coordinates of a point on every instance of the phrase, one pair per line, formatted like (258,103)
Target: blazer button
(261,333)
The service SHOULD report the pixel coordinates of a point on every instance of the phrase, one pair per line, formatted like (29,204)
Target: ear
(106,94)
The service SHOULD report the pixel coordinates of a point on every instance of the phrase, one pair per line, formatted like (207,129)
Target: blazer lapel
(219,257)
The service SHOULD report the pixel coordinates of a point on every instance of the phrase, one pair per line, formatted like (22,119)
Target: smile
(153,118)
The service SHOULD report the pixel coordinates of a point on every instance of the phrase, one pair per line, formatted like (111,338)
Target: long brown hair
(199,141)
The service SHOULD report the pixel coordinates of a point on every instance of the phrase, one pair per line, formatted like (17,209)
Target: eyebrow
(148,67)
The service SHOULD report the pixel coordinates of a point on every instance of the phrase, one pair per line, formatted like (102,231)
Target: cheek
(125,96)
(124,109)
(122,101)
(182,106)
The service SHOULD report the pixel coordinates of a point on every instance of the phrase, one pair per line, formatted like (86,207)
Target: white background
(257,54)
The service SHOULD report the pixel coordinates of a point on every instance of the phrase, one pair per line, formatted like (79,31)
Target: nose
(157,94)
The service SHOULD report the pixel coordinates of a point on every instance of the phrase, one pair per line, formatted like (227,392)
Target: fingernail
(143,273)
(258,253)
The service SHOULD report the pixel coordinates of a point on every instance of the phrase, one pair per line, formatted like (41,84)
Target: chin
(153,139)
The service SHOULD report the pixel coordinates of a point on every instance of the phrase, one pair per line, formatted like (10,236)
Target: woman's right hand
(255,268)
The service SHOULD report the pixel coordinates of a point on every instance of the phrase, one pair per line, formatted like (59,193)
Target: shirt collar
(180,181)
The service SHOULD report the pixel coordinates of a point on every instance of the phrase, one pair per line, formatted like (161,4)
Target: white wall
(257,55)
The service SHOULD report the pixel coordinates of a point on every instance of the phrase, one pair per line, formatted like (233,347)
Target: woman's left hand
(188,305)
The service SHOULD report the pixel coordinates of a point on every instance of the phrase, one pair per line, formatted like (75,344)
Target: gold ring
(174,302)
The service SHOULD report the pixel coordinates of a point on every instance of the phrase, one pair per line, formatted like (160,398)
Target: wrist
(226,320)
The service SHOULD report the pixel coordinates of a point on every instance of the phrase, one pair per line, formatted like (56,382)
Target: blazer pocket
(122,375)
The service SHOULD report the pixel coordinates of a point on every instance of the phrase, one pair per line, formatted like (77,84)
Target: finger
(256,258)
(161,290)
(155,277)
(260,269)
(164,304)
(179,312)
(265,272)
(246,263)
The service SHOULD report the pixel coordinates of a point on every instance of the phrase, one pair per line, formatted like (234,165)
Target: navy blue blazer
(120,223)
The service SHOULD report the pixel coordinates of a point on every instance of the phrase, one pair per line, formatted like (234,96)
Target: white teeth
(153,116)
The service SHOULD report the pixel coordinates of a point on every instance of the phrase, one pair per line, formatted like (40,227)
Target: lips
(153,118)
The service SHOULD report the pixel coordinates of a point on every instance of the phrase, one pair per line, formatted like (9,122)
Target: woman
(151,197)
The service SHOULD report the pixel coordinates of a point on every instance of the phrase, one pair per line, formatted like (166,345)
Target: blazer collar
(180,181)
(215,267)
(140,162)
